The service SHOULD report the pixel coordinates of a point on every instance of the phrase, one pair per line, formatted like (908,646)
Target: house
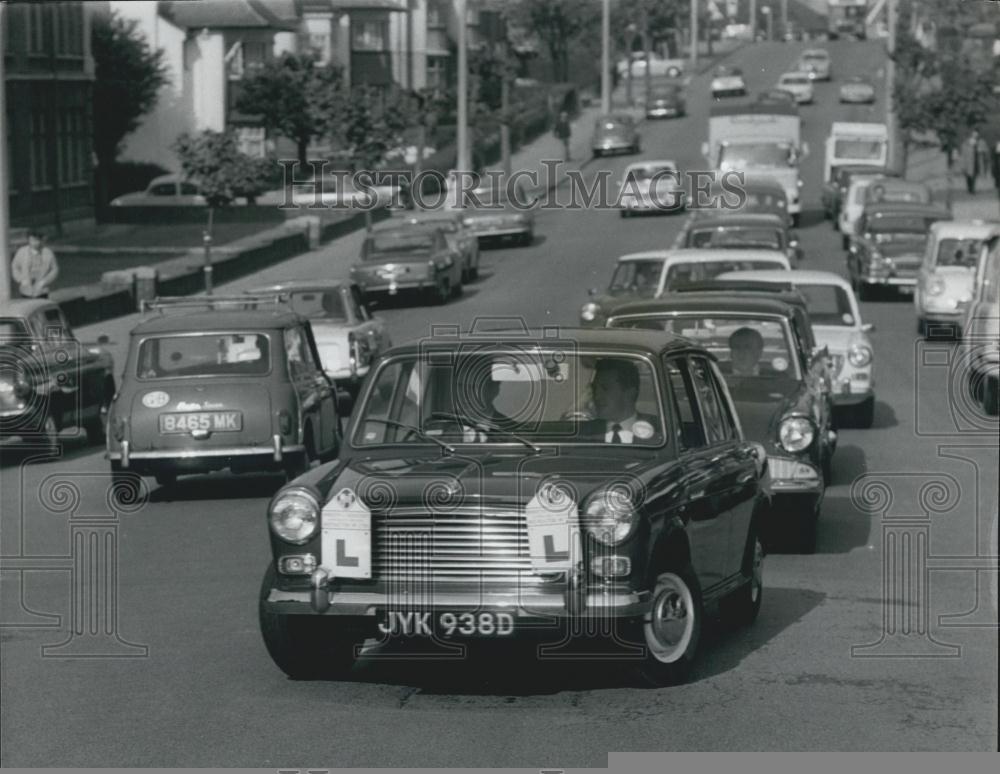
(49,74)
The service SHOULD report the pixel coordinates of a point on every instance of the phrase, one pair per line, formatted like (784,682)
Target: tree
(128,76)
(295,98)
(370,123)
(558,23)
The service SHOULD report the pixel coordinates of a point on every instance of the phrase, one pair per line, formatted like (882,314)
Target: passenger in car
(746,346)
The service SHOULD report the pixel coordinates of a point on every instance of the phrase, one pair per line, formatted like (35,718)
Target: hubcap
(671,622)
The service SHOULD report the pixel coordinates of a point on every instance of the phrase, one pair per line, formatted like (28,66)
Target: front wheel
(672,628)
(742,606)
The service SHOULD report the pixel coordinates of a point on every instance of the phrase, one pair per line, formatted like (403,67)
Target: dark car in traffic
(666,101)
(742,231)
(401,258)
(835,189)
(507,484)
(615,133)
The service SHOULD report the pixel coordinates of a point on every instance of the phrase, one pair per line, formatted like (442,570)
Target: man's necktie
(615,437)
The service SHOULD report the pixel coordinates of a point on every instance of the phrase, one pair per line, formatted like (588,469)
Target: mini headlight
(859,355)
(934,286)
(796,433)
(590,311)
(609,516)
(294,515)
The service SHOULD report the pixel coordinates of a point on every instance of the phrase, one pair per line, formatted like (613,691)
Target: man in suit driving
(615,388)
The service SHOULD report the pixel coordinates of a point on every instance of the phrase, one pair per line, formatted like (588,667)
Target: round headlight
(294,515)
(935,286)
(796,433)
(859,355)
(589,312)
(609,516)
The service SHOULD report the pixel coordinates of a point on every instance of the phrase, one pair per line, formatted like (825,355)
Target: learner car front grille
(467,545)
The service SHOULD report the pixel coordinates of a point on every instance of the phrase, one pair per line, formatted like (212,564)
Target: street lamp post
(462,130)
(605,57)
(766,10)
(694,36)
(753,20)
(892,158)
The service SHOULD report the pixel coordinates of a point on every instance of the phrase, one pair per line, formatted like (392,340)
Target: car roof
(883,209)
(219,319)
(706,255)
(303,284)
(652,163)
(171,178)
(898,184)
(795,73)
(793,277)
(742,302)
(723,219)
(24,307)
(967,229)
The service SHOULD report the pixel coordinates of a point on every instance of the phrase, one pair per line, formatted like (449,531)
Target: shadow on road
(842,527)
(811,217)
(848,463)
(217,487)
(73,447)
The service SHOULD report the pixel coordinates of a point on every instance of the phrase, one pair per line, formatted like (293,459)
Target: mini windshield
(737,237)
(682,273)
(204,354)
(513,395)
(737,156)
(636,277)
(326,304)
(828,305)
(389,242)
(959,252)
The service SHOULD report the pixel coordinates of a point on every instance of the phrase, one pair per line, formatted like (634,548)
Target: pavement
(851,651)
(929,165)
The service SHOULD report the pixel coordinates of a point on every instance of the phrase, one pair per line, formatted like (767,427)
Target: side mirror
(867,327)
(103,339)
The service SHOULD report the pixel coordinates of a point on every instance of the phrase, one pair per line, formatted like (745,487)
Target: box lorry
(855,144)
(761,140)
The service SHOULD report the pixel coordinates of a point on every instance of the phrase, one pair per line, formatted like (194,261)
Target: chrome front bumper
(275,452)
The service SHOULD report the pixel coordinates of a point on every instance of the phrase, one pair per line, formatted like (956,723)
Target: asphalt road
(201,691)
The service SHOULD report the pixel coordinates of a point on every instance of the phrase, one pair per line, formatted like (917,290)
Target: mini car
(500,214)
(816,63)
(164,191)
(799,85)
(836,321)
(666,102)
(349,338)
(659,66)
(944,285)
(614,134)
(741,231)
(889,247)
(221,382)
(463,242)
(492,486)
(857,90)
(776,383)
(835,190)
(981,331)
(650,274)
(402,259)
(49,381)
(651,186)
(728,82)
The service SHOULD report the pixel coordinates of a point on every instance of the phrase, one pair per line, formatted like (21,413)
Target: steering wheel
(576,416)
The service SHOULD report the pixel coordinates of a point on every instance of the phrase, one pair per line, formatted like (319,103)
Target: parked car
(651,186)
(349,338)
(799,85)
(659,66)
(578,525)
(164,191)
(461,239)
(49,381)
(835,190)
(766,358)
(981,331)
(650,274)
(666,101)
(889,247)
(816,63)
(945,283)
(740,231)
(221,382)
(401,259)
(370,190)
(836,322)
(857,90)
(500,214)
(728,82)
(615,133)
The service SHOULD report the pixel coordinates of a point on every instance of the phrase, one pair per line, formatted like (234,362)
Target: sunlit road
(206,694)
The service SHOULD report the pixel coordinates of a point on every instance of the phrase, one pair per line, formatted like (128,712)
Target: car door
(304,372)
(64,367)
(366,326)
(703,510)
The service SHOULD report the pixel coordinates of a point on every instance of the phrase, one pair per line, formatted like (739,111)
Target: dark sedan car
(666,102)
(888,249)
(776,382)
(614,134)
(835,189)
(501,485)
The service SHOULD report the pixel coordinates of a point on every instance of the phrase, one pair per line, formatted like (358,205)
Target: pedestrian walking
(34,267)
(563,132)
(974,159)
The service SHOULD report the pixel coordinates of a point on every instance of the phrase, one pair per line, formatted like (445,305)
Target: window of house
(370,35)
(39,149)
(435,16)
(72,146)
(436,71)
(255,53)
(67,21)
(39,27)
(319,44)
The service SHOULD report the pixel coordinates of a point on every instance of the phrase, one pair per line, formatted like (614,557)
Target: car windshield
(449,226)
(636,276)
(794,79)
(647,173)
(513,395)
(828,304)
(859,149)
(958,252)
(325,304)
(737,237)
(744,346)
(737,156)
(682,273)
(377,245)
(668,93)
(204,354)
(815,56)
(898,224)
(12,328)
(881,193)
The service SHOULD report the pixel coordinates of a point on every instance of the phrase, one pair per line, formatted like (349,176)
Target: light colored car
(504,214)
(981,330)
(836,321)
(463,242)
(614,134)
(851,207)
(666,101)
(741,231)
(651,273)
(164,191)
(393,260)
(728,82)
(651,186)
(816,63)
(348,192)
(659,67)
(348,337)
(945,282)
(799,85)
(857,90)
(862,194)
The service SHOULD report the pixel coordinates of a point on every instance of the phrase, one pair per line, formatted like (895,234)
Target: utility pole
(646,46)
(753,20)
(694,36)
(890,84)
(784,18)
(606,57)
(4,172)
(464,162)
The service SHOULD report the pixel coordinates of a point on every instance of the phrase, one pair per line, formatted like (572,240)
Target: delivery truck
(855,144)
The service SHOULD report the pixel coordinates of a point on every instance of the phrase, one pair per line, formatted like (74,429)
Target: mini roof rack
(246,301)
